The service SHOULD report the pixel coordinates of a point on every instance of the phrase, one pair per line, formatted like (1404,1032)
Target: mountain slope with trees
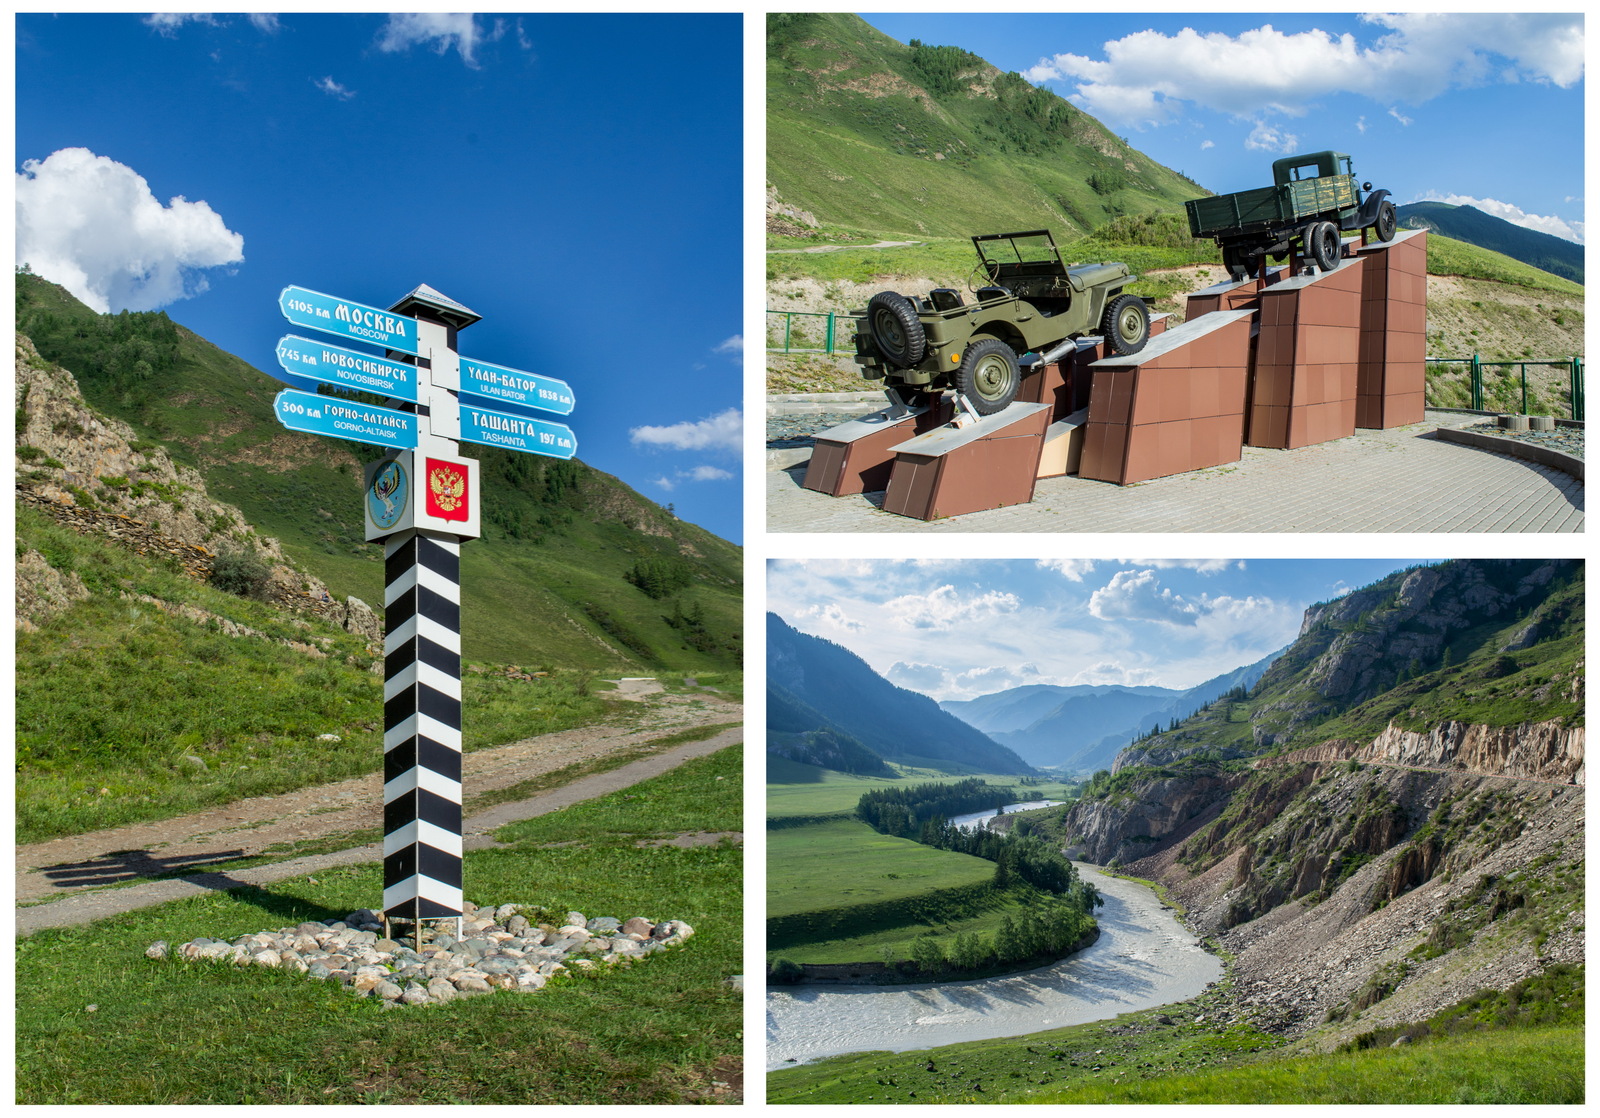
(871,134)
(1470,224)
(809,674)
(574,567)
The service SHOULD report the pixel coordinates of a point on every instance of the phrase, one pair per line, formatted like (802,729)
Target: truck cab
(1314,165)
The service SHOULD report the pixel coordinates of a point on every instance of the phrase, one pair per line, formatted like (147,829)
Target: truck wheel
(1126,325)
(988,375)
(1384,226)
(1322,245)
(896,328)
(1237,262)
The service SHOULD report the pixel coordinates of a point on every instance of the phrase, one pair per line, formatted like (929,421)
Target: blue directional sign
(355,321)
(517,432)
(500,387)
(345,419)
(306,360)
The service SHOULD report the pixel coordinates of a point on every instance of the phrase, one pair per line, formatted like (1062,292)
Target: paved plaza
(1401,480)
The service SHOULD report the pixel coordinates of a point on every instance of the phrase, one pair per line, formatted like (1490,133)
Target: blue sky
(959,628)
(517,164)
(1478,109)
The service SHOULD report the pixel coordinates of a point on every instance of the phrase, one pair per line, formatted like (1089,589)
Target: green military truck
(1312,200)
(1026,300)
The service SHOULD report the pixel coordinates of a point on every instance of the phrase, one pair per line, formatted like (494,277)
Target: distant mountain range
(827,707)
(1467,223)
(1081,728)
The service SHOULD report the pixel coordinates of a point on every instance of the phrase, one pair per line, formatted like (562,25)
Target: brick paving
(1400,480)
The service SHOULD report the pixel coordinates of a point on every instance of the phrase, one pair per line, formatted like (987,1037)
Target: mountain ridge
(809,675)
(1541,250)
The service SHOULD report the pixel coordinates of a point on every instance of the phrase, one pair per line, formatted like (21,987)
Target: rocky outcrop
(44,592)
(1538,751)
(1126,826)
(93,474)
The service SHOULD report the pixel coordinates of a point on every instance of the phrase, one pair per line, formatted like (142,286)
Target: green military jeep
(1026,300)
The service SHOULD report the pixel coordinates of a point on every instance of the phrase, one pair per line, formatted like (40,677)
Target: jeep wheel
(896,328)
(1126,325)
(988,375)
(1384,225)
(1322,245)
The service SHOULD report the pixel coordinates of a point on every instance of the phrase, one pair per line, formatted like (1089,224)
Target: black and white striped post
(422,728)
(422,635)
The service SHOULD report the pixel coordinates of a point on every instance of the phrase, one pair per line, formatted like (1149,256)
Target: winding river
(1143,958)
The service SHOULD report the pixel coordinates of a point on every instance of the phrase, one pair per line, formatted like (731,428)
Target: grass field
(845,862)
(835,864)
(1134,1059)
(97,1023)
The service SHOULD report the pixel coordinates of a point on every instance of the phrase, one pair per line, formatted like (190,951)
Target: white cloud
(723,431)
(832,616)
(705,473)
(1139,596)
(265,21)
(945,608)
(167,23)
(1200,566)
(1147,77)
(438,30)
(1070,569)
(991,678)
(1267,137)
(92,225)
(925,679)
(1361,124)
(1555,226)
(1405,121)
(733,347)
(334,89)
(1108,672)
(1204,144)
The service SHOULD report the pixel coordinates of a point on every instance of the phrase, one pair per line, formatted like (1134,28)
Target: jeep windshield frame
(1000,250)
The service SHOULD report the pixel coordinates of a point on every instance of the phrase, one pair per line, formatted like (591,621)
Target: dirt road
(69,865)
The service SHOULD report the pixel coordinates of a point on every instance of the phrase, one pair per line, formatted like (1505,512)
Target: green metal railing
(1505,393)
(837,332)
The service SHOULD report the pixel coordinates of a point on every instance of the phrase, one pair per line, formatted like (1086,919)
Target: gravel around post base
(509,947)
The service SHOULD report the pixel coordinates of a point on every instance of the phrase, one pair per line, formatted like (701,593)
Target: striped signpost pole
(421,728)
(421,502)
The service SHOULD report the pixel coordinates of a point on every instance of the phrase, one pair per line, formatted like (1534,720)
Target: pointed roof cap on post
(432,304)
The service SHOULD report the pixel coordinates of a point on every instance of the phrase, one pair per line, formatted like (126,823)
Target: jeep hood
(1095,275)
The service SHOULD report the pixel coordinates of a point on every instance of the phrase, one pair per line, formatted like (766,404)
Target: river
(1144,958)
(965,821)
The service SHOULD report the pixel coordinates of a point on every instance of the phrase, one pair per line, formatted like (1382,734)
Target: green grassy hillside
(872,135)
(547,583)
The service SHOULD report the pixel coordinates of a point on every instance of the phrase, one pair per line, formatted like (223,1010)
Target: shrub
(243,573)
